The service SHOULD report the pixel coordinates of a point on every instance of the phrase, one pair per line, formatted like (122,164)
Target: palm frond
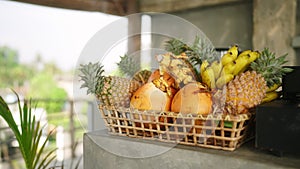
(6,114)
(29,135)
(47,160)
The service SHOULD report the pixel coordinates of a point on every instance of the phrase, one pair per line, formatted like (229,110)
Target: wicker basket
(226,132)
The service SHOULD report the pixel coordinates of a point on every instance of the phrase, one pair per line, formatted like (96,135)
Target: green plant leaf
(7,116)
(47,160)
(28,135)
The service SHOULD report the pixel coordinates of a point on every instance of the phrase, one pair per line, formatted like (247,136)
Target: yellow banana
(273,88)
(223,80)
(217,68)
(208,78)
(234,51)
(241,64)
(203,66)
(226,59)
(228,68)
(253,56)
(270,96)
(230,55)
(245,52)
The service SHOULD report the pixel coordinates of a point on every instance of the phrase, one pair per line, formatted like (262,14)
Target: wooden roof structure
(126,7)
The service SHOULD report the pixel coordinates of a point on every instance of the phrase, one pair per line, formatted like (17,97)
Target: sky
(58,35)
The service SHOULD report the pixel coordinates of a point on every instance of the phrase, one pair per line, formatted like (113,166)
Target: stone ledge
(102,150)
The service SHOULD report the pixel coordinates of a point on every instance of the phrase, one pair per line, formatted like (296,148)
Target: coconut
(149,97)
(156,95)
(193,98)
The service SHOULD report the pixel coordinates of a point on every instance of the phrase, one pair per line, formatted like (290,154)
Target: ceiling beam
(124,7)
(179,5)
(115,7)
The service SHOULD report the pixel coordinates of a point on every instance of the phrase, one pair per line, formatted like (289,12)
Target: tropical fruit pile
(191,79)
(248,78)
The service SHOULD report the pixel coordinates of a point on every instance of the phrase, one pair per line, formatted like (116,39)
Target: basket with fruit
(194,97)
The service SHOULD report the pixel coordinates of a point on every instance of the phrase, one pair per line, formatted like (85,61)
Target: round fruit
(192,98)
(149,97)
(157,95)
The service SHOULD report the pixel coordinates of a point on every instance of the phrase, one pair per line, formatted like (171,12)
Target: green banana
(208,78)
(217,68)
(242,64)
(270,96)
(223,80)
(230,55)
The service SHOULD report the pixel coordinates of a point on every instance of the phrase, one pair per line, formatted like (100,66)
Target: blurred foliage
(43,86)
(38,79)
(12,73)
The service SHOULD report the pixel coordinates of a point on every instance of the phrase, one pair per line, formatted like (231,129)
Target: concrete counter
(104,151)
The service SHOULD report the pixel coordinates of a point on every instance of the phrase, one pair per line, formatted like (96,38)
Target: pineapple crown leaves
(202,50)
(92,77)
(128,65)
(270,67)
(176,46)
(197,52)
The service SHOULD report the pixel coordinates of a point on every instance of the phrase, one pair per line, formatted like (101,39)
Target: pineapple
(248,89)
(109,90)
(244,92)
(270,67)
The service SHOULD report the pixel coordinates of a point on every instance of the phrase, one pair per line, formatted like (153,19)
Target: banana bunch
(207,75)
(219,73)
(272,93)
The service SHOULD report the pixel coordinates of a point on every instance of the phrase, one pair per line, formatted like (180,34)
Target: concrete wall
(252,24)
(224,25)
(274,26)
